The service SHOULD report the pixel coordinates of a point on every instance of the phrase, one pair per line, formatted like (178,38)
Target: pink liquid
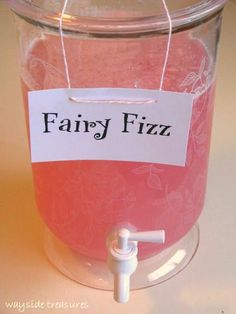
(82,201)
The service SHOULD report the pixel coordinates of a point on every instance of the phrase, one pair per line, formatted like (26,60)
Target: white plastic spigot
(122,258)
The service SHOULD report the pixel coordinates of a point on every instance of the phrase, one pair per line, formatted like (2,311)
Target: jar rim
(181,18)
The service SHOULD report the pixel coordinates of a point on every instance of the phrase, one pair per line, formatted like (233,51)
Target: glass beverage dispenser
(120,54)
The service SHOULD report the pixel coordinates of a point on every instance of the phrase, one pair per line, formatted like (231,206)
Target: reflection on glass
(168,266)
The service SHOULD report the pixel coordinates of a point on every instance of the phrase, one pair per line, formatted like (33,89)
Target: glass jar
(120,44)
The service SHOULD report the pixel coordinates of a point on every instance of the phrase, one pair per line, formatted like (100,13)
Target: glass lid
(116,15)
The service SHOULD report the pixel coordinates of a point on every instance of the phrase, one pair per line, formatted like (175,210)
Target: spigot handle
(156,236)
(124,236)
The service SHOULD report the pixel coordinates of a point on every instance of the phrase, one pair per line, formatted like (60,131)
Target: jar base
(151,271)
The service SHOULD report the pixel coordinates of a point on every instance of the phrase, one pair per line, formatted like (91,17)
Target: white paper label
(110,124)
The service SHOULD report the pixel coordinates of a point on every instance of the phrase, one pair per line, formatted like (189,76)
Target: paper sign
(109,124)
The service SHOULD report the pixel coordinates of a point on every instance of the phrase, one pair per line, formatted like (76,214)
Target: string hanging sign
(124,124)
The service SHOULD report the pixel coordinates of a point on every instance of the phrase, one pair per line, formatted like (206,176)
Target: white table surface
(206,286)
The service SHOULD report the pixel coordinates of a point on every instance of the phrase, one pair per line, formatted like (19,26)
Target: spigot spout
(122,264)
(121,288)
